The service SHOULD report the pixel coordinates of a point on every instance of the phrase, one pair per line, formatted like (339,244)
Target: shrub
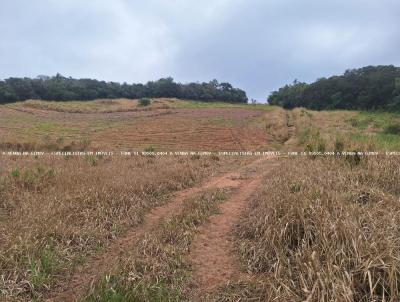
(339,145)
(149,149)
(15,173)
(353,159)
(393,129)
(144,101)
(92,160)
(32,179)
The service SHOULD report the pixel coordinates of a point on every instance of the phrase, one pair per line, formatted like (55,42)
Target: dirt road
(101,264)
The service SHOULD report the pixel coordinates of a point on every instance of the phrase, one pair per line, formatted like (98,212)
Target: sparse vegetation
(144,102)
(393,129)
(55,213)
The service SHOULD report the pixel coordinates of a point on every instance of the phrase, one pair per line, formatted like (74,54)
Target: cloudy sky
(257,45)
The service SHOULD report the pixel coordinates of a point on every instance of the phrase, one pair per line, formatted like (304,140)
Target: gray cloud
(258,45)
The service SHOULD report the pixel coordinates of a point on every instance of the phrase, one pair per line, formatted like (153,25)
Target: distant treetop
(367,88)
(60,88)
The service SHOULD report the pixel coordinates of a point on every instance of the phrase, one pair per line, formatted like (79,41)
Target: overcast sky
(257,45)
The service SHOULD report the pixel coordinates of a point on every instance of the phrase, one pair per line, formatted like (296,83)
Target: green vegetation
(380,140)
(192,104)
(368,88)
(42,268)
(347,130)
(149,149)
(312,140)
(393,129)
(144,102)
(32,179)
(378,129)
(59,88)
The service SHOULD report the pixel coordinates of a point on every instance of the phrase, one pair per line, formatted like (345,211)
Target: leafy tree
(367,88)
(60,88)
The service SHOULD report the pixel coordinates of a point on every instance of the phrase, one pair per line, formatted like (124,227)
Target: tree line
(367,88)
(60,88)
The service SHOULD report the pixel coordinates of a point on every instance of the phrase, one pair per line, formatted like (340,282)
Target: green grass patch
(375,120)
(41,269)
(380,141)
(381,130)
(110,289)
(46,126)
(199,105)
(393,129)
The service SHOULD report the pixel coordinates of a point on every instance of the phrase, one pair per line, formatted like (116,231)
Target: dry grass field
(166,124)
(322,230)
(197,228)
(56,212)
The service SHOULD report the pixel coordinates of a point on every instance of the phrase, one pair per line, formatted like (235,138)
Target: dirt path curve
(103,263)
(212,253)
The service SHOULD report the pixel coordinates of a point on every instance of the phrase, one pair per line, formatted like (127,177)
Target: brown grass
(96,106)
(319,230)
(157,269)
(55,212)
(56,125)
(324,230)
(276,123)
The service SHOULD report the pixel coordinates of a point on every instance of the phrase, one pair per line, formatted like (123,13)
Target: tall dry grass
(276,125)
(158,268)
(324,230)
(55,212)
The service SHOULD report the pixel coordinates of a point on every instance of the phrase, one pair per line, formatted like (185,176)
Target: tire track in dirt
(86,275)
(212,253)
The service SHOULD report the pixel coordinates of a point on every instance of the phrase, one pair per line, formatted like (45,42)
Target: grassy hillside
(372,131)
(112,125)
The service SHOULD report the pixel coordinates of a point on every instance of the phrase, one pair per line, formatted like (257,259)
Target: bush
(144,101)
(393,129)
(339,145)
(149,149)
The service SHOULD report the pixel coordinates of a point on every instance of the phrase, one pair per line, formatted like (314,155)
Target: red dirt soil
(212,252)
(222,129)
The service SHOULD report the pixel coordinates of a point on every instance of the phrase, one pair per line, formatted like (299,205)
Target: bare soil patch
(164,127)
(212,252)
